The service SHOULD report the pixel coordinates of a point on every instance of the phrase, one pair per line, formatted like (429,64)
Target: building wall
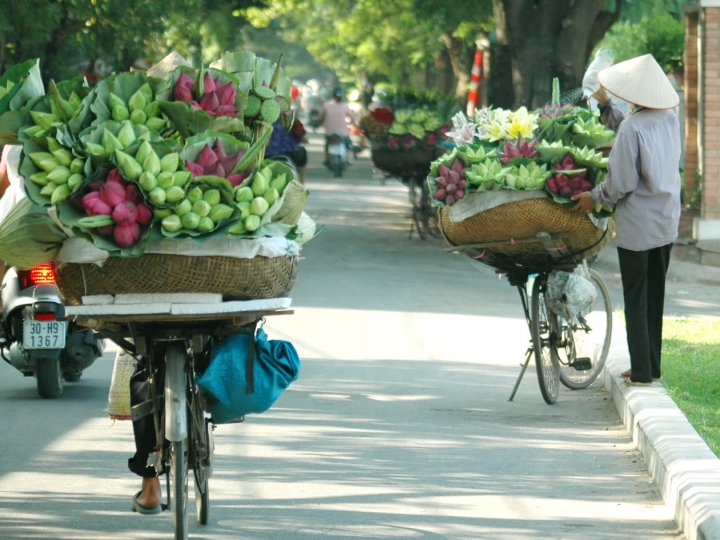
(711,113)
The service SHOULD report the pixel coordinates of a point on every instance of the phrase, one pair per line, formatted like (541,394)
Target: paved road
(399,426)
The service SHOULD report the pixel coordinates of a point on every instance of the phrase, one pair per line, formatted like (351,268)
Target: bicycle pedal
(582,364)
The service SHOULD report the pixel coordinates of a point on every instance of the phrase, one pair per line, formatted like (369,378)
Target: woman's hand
(601,96)
(584,201)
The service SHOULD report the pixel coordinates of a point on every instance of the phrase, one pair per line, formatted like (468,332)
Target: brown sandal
(625,374)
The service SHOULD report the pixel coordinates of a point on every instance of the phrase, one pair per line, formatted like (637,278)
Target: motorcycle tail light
(42,275)
(45,317)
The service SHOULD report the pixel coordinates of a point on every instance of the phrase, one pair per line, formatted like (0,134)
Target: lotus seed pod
(244,194)
(263,92)
(270,111)
(206,225)
(190,220)
(252,107)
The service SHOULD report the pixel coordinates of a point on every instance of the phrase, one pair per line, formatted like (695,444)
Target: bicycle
(424,217)
(184,429)
(571,352)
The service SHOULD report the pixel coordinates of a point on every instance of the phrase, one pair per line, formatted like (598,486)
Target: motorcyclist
(287,143)
(334,117)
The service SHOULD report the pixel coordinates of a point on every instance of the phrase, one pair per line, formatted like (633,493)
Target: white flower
(463,135)
(460,121)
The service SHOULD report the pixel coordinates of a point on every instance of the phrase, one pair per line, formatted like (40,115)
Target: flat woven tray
(410,163)
(235,279)
(525,219)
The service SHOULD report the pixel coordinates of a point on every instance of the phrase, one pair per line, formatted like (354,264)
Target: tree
(542,39)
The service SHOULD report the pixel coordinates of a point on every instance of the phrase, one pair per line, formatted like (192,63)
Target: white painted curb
(684,469)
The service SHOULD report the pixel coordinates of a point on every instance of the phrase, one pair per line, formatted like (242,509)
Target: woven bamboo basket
(525,219)
(235,279)
(409,163)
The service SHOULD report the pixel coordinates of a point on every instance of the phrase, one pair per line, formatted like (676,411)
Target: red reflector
(45,317)
(42,275)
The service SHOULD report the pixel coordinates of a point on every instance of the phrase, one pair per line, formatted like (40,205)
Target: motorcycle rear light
(42,275)
(45,317)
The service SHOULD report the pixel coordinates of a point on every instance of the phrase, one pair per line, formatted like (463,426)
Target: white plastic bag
(570,295)
(603,58)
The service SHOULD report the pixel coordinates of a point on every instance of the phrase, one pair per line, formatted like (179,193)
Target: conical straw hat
(166,65)
(641,81)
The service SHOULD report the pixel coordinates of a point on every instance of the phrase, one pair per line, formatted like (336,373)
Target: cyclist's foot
(151,495)
(625,374)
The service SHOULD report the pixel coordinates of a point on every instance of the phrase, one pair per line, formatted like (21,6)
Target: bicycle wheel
(201,446)
(583,344)
(543,324)
(179,477)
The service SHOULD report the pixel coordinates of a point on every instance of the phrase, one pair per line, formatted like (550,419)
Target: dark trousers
(144,428)
(643,279)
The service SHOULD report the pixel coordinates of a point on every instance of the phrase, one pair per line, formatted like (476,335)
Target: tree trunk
(457,54)
(547,39)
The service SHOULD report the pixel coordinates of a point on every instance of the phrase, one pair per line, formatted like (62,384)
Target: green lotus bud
(174,194)
(195,194)
(244,194)
(155,124)
(201,208)
(144,134)
(206,225)
(138,117)
(39,157)
(62,157)
(146,92)
(39,178)
(44,120)
(157,195)
(152,110)
(278,183)
(244,209)
(75,180)
(165,180)
(48,189)
(59,175)
(115,101)
(161,213)
(190,220)
(271,195)
(181,178)
(77,165)
(53,144)
(212,196)
(252,222)
(220,211)
(95,149)
(110,142)
(183,208)
(137,102)
(152,164)
(60,194)
(34,131)
(170,162)
(238,228)
(259,185)
(129,168)
(143,152)
(147,182)
(120,113)
(259,206)
(172,223)
(126,135)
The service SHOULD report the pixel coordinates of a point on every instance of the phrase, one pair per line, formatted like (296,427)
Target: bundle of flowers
(175,156)
(552,149)
(404,129)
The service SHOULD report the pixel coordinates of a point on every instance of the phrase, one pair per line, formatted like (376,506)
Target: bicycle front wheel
(175,421)
(583,344)
(200,456)
(543,324)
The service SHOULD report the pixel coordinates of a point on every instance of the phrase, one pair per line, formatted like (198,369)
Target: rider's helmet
(338,93)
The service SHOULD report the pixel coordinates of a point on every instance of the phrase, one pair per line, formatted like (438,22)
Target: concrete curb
(684,469)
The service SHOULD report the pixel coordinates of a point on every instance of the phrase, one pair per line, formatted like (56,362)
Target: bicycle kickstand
(528,355)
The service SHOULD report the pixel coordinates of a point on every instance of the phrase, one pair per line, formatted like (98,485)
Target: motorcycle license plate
(44,334)
(335,149)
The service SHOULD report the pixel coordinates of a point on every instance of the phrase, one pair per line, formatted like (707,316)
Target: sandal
(629,382)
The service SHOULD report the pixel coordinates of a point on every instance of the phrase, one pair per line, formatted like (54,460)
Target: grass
(691,373)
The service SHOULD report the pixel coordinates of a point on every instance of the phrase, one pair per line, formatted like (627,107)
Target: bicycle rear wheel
(175,393)
(200,457)
(583,345)
(543,325)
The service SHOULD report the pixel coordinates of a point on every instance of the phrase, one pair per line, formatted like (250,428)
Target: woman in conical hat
(643,185)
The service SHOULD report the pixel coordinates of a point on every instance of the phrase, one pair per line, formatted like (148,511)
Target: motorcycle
(337,146)
(38,341)
(359,142)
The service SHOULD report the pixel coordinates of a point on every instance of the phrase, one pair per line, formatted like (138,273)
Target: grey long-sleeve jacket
(643,181)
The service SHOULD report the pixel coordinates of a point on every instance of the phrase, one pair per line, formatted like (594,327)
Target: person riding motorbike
(333,118)
(287,143)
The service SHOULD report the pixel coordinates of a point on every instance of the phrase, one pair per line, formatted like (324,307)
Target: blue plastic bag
(226,385)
